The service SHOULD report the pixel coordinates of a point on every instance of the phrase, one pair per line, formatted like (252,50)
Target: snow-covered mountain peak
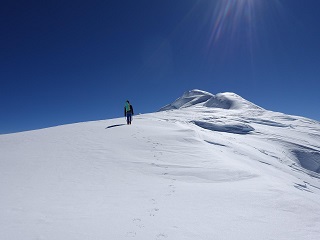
(227,100)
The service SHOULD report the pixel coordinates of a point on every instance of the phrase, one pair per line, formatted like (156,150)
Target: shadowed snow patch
(237,128)
(309,159)
(215,143)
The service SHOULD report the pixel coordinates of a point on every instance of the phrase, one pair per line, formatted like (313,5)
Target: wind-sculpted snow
(188,99)
(202,98)
(209,167)
(307,156)
(211,175)
(266,122)
(309,159)
(236,128)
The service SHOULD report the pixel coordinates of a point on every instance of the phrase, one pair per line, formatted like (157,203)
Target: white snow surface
(205,167)
(199,97)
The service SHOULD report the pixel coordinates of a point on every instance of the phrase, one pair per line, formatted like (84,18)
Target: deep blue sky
(72,61)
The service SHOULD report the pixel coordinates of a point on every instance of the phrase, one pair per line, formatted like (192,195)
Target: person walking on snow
(128,111)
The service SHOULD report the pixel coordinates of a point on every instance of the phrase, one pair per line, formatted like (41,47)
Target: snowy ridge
(198,97)
(202,168)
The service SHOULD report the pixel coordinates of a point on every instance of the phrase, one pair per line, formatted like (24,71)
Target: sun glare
(229,16)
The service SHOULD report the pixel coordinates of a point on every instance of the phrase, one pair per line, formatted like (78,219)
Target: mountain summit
(197,97)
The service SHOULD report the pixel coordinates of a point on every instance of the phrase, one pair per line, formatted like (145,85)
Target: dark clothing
(129,118)
(128,112)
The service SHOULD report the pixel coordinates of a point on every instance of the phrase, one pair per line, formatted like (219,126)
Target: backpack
(128,107)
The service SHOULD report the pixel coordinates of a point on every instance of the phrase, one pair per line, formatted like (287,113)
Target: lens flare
(231,17)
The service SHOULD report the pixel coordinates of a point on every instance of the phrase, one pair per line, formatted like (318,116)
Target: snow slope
(204,167)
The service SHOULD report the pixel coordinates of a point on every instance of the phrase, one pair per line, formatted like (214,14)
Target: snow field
(165,177)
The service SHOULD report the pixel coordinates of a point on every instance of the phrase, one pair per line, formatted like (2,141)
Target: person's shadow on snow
(117,125)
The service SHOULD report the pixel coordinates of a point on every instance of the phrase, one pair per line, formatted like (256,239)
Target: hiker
(128,111)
